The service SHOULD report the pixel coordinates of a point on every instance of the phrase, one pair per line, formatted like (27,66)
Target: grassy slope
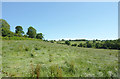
(20,56)
(0,58)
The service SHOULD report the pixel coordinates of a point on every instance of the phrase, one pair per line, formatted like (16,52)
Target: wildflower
(110,73)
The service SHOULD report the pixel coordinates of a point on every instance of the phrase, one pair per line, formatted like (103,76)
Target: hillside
(26,58)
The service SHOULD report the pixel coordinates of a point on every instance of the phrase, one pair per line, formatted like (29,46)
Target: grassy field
(75,42)
(0,67)
(26,58)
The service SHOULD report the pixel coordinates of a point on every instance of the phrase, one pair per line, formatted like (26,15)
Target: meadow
(74,42)
(34,58)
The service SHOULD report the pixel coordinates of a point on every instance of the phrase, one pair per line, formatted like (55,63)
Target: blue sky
(68,20)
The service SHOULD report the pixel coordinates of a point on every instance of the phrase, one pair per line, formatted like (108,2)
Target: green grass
(26,58)
(0,58)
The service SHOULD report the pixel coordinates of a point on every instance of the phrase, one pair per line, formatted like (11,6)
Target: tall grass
(28,58)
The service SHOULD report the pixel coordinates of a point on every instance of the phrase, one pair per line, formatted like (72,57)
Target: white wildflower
(100,74)
(110,73)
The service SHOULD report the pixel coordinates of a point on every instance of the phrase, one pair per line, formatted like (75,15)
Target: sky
(64,20)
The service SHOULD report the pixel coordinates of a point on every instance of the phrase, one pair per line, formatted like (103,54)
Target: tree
(39,36)
(4,28)
(62,40)
(31,32)
(6,32)
(19,30)
(107,44)
(94,41)
(51,41)
(67,42)
(88,44)
(4,24)
(97,45)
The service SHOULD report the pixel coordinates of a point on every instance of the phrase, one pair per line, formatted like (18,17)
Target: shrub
(39,36)
(25,36)
(36,48)
(31,55)
(67,42)
(74,45)
(80,45)
(97,45)
(26,49)
(52,41)
(88,44)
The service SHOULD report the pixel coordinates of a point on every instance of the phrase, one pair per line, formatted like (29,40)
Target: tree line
(31,33)
(99,44)
(5,31)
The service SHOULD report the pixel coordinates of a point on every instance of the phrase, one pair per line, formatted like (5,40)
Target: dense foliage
(67,42)
(100,44)
(31,32)
(4,24)
(39,36)
(19,30)
(7,34)
(18,38)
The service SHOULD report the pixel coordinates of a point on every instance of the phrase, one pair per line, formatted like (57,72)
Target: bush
(97,45)
(26,49)
(84,45)
(67,42)
(36,48)
(74,45)
(88,44)
(25,36)
(52,41)
(39,36)
(31,55)
(80,45)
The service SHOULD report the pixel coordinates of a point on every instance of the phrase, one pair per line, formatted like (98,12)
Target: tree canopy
(39,36)
(31,32)
(4,24)
(19,29)
(6,32)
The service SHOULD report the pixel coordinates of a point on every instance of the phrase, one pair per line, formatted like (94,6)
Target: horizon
(64,20)
(78,39)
